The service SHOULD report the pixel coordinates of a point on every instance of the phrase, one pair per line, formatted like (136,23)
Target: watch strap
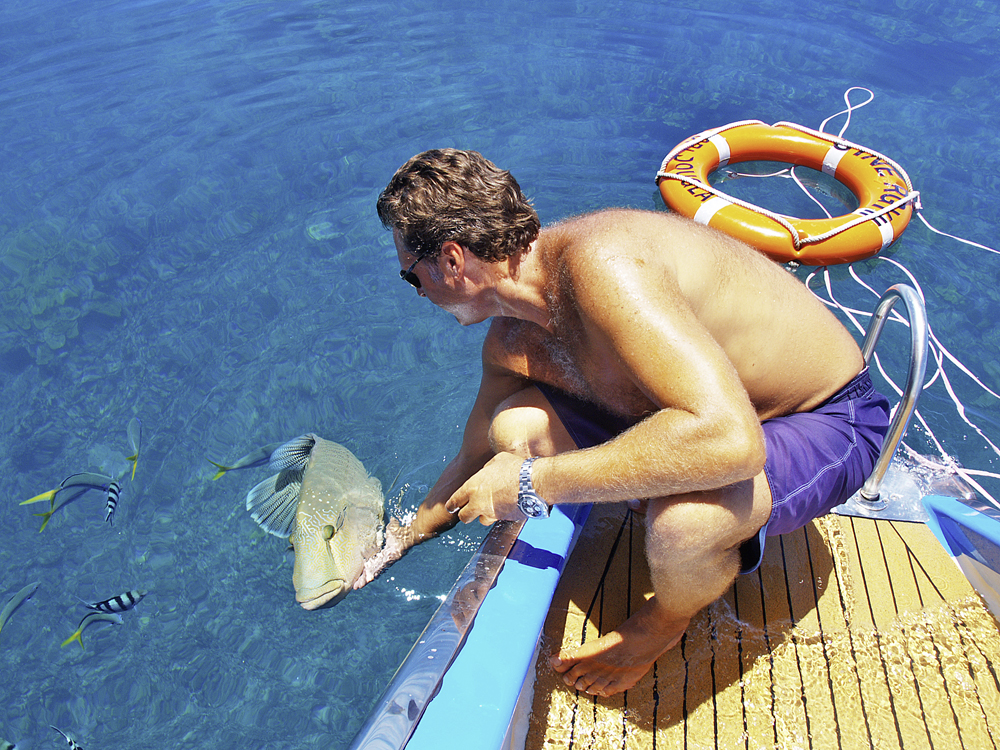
(527,499)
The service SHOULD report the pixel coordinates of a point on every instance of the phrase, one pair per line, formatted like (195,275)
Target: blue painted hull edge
(972,539)
(479,694)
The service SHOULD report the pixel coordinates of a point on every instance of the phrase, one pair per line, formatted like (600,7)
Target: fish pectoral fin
(341,517)
(47,495)
(294,454)
(273,502)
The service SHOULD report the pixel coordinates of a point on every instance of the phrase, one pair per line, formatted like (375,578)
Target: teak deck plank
(852,634)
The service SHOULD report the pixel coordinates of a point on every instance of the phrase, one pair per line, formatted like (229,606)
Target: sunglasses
(408,275)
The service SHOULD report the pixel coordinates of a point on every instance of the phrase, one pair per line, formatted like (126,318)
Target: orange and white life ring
(884,192)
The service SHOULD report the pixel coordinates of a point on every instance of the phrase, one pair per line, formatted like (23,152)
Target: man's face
(409,263)
(433,285)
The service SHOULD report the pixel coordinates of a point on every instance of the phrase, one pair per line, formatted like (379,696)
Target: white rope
(850,108)
(912,195)
(920,216)
(812,197)
(933,337)
(938,351)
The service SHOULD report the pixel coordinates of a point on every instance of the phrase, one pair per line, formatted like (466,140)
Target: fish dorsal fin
(294,454)
(273,502)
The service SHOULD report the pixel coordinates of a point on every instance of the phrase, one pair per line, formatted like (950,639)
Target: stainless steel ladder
(890,493)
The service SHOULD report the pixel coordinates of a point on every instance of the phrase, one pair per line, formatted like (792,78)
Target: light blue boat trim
(395,716)
(479,694)
(972,539)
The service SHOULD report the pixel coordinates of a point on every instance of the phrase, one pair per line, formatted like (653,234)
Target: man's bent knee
(686,527)
(526,425)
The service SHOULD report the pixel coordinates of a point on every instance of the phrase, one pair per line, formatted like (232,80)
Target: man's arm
(432,516)
(704,435)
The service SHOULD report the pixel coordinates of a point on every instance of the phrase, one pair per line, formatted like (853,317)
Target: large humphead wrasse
(323,500)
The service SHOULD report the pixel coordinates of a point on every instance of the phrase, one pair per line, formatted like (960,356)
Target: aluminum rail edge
(418,679)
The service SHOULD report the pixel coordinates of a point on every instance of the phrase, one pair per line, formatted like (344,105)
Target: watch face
(532,506)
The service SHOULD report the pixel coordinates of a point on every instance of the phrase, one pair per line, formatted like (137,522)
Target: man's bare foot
(618,660)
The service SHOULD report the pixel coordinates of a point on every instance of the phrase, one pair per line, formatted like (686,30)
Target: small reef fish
(258,457)
(82,482)
(87,480)
(134,432)
(4,745)
(15,601)
(323,500)
(114,492)
(121,603)
(89,619)
(73,744)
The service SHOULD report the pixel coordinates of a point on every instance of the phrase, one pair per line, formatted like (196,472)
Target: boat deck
(853,633)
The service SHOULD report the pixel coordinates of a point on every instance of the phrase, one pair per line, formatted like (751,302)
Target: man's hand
(491,493)
(398,539)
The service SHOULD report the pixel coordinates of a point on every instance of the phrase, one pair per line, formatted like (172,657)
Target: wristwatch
(527,499)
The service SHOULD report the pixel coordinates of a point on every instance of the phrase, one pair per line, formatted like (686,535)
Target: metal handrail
(869,493)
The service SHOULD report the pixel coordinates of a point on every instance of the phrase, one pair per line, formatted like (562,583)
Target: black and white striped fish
(114,492)
(73,744)
(121,603)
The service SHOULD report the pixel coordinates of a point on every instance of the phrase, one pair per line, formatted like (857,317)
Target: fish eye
(328,532)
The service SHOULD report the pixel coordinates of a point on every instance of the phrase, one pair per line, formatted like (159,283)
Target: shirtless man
(632,355)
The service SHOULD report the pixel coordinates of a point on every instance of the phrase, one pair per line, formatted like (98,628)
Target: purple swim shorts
(815,460)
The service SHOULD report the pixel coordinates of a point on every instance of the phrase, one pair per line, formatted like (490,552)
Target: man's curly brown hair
(446,195)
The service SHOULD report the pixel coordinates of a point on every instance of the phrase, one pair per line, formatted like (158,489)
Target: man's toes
(576,678)
(559,664)
(598,687)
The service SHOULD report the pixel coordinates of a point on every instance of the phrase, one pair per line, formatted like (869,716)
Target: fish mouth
(326,595)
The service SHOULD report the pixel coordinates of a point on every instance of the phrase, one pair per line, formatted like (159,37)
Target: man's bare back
(789,351)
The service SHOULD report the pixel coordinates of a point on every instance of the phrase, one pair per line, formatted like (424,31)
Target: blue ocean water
(188,236)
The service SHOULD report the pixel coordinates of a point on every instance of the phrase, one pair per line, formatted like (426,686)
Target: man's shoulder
(605,219)
(618,229)
(596,250)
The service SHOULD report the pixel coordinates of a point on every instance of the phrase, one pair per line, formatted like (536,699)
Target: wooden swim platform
(854,633)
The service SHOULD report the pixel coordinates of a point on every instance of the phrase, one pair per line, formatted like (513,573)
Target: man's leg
(527,425)
(692,543)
